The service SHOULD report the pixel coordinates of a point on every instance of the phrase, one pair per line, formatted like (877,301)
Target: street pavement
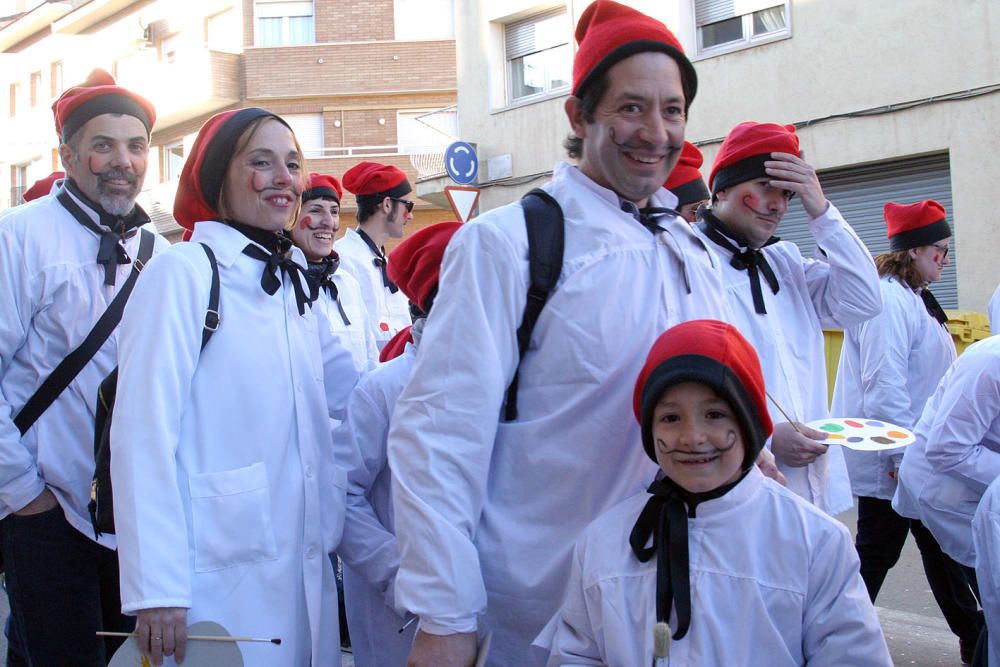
(912,623)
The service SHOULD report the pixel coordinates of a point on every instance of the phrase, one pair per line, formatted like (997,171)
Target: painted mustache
(763,214)
(116,175)
(714,449)
(640,145)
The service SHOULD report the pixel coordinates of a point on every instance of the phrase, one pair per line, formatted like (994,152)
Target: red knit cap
(205,170)
(609,32)
(685,181)
(396,344)
(713,353)
(371,178)
(416,262)
(321,185)
(914,225)
(42,186)
(99,94)
(746,148)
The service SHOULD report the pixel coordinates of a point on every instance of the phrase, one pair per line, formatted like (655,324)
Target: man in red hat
(488,508)
(782,301)
(62,582)
(385,205)
(686,183)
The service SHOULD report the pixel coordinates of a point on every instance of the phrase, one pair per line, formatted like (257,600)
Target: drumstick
(203,638)
(783,413)
(661,645)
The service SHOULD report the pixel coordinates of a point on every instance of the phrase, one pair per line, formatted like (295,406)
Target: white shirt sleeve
(570,635)
(443,429)
(844,286)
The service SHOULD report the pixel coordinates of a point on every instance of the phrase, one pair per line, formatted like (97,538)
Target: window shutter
(308,129)
(519,36)
(713,11)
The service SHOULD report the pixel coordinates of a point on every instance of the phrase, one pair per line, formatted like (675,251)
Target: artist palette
(199,653)
(867,435)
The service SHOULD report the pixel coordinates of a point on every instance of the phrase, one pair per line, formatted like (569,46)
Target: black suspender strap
(75,361)
(545,225)
(212,317)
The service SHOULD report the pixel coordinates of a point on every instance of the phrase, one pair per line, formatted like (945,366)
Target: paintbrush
(783,413)
(661,645)
(203,638)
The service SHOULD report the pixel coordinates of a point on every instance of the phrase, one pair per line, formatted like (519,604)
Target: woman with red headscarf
(227,497)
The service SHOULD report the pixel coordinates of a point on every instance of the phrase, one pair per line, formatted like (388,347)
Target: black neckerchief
(750,260)
(648,217)
(933,307)
(663,524)
(276,256)
(321,274)
(112,230)
(379,261)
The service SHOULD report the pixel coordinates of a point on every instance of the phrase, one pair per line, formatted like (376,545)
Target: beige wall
(843,56)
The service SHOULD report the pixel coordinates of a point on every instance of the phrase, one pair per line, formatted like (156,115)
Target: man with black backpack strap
(69,262)
(493,483)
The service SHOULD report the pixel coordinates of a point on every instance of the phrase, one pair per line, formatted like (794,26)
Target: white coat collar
(228,243)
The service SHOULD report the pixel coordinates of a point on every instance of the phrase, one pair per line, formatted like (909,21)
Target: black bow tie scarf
(379,262)
(113,231)
(321,274)
(751,260)
(275,262)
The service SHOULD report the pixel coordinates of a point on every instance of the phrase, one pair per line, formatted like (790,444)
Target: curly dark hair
(900,264)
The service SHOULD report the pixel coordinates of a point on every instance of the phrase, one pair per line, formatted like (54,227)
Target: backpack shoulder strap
(543,218)
(75,361)
(212,316)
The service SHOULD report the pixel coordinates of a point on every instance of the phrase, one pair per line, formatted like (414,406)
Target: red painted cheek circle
(305,222)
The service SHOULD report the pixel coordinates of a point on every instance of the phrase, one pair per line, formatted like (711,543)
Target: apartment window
(18,182)
(538,56)
(36,87)
(15,93)
(308,129)
(284,23)
(728,24)
(172,159)
(424,19)
(420,131)
(222,31)
(56,78)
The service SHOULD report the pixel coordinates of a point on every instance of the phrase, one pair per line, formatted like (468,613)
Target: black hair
(592,95)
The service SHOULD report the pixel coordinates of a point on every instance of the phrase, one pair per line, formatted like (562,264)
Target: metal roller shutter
(860,192)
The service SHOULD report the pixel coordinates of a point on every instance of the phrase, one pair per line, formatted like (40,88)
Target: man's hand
(791,172)
(162,631)
(458,650)
(43,502)
(797,449)
(765,461)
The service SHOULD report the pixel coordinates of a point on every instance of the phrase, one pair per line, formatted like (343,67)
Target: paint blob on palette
(863,434)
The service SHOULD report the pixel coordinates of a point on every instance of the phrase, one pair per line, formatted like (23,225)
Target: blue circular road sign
(461,163)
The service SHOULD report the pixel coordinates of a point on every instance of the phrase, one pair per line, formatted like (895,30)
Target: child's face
(698,440)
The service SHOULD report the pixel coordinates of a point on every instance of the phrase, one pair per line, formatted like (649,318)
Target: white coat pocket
(231,518)
(334,508)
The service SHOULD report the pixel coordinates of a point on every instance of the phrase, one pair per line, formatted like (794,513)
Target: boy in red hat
(687,184)
(385,205)
(369,548)
(782,301)
(697,552)
(488,507)
(65,258)
(339,297)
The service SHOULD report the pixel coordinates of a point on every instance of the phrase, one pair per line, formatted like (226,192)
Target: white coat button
(310,553)
(309,472)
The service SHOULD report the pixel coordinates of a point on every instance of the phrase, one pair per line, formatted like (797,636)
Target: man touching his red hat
(65,257)
(782,301)
(488,506)
(385,205)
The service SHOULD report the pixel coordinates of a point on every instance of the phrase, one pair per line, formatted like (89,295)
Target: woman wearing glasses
(385,205)
(889,367)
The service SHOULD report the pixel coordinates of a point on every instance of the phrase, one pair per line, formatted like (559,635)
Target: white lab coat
(836,292)
(993,310)
(957,451)
(227,498)
(390,312)
(774,582)
(889,367)
(52,293)
(369,548)
(358,337)
(486,510)
(986,540)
